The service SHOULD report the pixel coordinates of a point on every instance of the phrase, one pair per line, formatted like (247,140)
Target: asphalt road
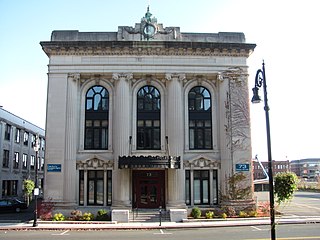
(302,204)
(283,232)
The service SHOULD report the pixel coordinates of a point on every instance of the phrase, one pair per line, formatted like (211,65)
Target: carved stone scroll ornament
(126,76)
(179,76)
(202,163)
(74,76)
(94,163)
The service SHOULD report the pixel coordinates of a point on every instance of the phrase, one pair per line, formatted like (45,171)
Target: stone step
(148,216)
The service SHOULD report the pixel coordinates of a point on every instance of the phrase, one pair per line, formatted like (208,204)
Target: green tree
(286,183)
(28,186)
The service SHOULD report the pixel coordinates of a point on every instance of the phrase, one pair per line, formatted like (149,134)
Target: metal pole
(260,81)
(36,189)
(271,191)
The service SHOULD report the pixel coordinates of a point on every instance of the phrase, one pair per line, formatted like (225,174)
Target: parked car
(9,205)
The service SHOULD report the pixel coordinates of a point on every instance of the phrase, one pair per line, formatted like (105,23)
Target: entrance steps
(148,215)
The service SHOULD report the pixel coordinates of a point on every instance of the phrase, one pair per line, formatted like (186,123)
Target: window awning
(149,162)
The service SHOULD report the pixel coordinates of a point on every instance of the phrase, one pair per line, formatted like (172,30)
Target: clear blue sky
(286,33)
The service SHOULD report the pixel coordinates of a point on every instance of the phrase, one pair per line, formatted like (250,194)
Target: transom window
(200,119)
(148,118)
(97,118)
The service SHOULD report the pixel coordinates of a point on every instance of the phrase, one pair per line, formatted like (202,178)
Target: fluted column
(121,133)
(176,177)
(69,190)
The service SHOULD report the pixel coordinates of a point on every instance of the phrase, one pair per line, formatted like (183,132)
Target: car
(9,205)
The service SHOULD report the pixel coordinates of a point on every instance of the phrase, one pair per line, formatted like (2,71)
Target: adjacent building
(308,168)
(146,116)
(17,154)
(261,171)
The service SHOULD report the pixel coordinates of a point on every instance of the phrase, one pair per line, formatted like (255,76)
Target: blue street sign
(242,167)
(54,168)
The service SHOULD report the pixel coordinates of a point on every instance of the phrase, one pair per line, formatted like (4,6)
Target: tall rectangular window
(81,187)
(188,188)
(32,162)
(16,160)
(7,132)
(200,119)
(24,161)
(97,118)
(148,118)
(9,188)
(5,161)
(17,135)
(95,187)
(25,138)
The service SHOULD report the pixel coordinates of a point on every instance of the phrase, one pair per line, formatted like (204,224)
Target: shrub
(224,215)
(196,212)
(87,216)
(58,217)
(230,211)
(243,214)
(102,215)
(76,215)
(210,214)
(285,184)
(253,213)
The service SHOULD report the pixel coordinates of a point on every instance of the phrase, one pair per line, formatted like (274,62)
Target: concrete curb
(100,226)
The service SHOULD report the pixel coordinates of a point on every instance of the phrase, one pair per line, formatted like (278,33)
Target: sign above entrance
(149,162)
(242,167)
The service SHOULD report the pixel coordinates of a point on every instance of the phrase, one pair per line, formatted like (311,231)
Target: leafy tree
(28,186)
(286,183)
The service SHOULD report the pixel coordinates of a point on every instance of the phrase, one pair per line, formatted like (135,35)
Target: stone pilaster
(70,183)
(122,120)
(235,119)
(176,177)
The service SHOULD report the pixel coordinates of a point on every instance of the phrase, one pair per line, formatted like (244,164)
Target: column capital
(178,76)
(74,76)
(125,76)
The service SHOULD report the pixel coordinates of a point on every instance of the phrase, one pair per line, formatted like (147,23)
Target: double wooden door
(148,189)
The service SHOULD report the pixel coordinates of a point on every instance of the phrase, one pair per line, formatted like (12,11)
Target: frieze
(154,48)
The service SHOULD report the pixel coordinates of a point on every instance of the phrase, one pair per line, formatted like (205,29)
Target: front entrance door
(148,189)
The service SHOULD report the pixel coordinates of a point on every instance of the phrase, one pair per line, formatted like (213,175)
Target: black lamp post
(260,81)
(36,189)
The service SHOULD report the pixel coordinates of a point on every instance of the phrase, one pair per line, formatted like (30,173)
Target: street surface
(283,232)
(302,204)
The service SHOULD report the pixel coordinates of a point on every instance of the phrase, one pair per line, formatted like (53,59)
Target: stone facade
(124,62)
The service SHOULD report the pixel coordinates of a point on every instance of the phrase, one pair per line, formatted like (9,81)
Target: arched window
(97,118)
(200,120)
(148,118)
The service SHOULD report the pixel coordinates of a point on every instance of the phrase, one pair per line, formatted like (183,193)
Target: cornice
(140,48)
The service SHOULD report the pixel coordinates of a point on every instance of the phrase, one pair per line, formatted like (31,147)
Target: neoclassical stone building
(146,116)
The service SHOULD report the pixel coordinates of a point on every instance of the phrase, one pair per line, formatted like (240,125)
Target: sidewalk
(45,225)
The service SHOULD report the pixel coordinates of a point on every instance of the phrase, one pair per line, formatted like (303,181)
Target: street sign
(54,168)
(242,167)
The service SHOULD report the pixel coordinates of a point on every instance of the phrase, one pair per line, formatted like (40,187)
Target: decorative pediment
(202,162)
(94,163)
